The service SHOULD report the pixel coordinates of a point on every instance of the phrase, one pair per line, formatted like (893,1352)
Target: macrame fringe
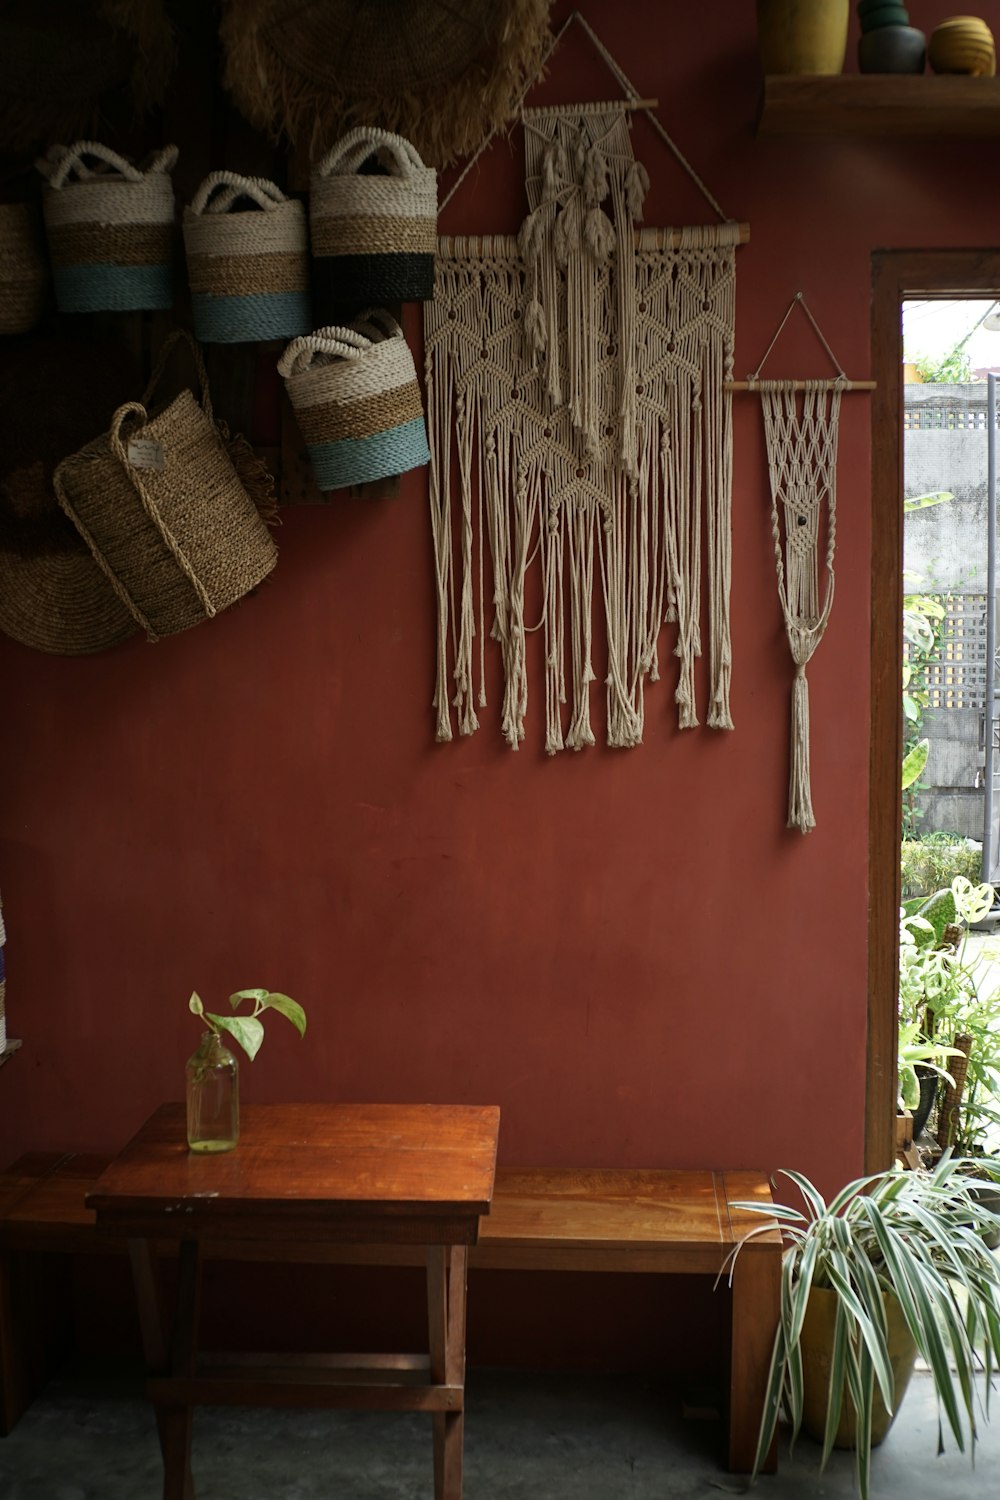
(800,811)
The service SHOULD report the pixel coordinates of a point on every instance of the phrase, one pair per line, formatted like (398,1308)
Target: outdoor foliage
(930,861)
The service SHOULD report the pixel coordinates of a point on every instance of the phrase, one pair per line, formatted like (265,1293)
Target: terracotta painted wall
(626,951)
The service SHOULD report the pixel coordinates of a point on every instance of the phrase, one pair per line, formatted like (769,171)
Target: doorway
(897,276)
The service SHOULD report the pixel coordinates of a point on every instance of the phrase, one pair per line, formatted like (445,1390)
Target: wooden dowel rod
(800,385)
(504,246)
(535,111)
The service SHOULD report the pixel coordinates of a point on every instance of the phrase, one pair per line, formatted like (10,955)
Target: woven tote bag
(357,402)
(373,234)
(164,512)
(110,228)
(22,269)
(247,249)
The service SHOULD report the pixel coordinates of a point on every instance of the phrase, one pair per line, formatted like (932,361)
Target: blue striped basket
(110,228)
(247,249)
(357,402)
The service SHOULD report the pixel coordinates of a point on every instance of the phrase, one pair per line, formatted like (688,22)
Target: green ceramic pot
(802,36)
(883,15)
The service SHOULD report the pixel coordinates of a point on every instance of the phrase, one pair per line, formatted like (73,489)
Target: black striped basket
(373,223)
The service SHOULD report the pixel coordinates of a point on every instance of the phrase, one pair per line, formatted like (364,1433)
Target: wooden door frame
(896,276)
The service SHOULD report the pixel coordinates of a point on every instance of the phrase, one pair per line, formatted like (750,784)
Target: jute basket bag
(164,512)
(22,269)
(110,228)
(373,236)
(247,252)
(357,402)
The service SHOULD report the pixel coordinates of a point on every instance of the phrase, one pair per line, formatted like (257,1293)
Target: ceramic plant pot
(817,1347)
(802,36)
(892,49)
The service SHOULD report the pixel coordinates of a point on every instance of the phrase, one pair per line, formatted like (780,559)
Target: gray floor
(552,1437)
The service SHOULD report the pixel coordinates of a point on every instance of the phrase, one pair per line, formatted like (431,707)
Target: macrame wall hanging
(579,421)
(801,427)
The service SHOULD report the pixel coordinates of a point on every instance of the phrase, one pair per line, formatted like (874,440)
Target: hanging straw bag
(22,269)
(357,402)
(164,512)
(373,235)
(110,228)
(248,267)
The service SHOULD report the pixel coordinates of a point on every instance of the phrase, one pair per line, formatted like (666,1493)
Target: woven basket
(164,512)
(22,269)
(373,236)
(356,401)
(248,268)
(110,228)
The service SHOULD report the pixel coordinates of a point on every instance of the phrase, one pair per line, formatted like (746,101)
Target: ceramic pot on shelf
(802,36)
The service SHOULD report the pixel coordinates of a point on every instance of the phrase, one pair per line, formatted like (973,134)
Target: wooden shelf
(913,106)
(6,1053)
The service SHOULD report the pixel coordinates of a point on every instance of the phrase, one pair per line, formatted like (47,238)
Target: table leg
(446,1281)
(173,1422)
(756,1308)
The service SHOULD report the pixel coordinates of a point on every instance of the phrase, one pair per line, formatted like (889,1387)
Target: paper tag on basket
(146,453)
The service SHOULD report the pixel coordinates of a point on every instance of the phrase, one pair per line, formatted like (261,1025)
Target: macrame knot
(555,167)
(595,176)
(598,235)
(636,188)
(535,331)
(531,237)
(566,233)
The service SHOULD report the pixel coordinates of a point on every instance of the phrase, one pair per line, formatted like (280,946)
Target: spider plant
(918,1237)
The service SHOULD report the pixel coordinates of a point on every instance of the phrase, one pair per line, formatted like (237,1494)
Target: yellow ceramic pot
(802,36)
(817,1348)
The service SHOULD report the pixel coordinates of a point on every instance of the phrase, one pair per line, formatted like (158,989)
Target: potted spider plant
(894,1266)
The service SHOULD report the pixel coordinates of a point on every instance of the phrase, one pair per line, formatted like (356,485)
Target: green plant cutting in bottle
(212,1073)
(249,1030)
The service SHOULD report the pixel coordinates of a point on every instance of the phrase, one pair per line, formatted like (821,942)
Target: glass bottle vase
(213,1096)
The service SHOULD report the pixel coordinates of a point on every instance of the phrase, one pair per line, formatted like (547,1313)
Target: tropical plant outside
(930,861)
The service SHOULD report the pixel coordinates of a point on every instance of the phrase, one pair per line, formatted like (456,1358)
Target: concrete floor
(540,1437)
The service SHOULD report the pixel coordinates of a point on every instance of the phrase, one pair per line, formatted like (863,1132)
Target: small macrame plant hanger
(576,386)
(801,439)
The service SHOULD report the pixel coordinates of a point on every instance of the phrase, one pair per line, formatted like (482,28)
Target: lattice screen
(956,678)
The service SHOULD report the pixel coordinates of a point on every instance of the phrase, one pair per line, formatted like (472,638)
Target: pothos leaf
(194,1004)
(286,1006)
(248,1032)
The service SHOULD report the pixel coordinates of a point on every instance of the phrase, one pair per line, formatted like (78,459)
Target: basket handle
(378,319)
(348,343)
(265,194)
(357,145)
(180,335)
(64,160)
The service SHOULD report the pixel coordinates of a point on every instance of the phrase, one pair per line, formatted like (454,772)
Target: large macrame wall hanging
(579,422)
(801,427)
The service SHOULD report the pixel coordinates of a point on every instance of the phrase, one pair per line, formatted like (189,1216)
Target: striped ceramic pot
(357,402)
(374,233)
(247,249)
(110,228)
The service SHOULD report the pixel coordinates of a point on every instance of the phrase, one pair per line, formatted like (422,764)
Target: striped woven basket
(22,269)
(357,402)
(164,512)
(373,234)
(248,267)
(110,228)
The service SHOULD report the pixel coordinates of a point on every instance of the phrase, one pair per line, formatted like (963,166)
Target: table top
(407,1172)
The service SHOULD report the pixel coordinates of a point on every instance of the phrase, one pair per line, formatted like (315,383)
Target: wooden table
(320,1174)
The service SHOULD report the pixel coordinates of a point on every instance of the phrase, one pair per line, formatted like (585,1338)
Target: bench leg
(756,1307)
(175,1356)
(446,1284)
(15,1395)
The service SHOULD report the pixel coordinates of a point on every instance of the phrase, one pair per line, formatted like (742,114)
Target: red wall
(626,951)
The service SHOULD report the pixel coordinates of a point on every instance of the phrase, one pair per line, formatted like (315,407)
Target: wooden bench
(597,1220)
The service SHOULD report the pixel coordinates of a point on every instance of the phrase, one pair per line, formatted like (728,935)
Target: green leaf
(195,1005)
(914,763)
(248,1032)
(923,502)
(254,995)
(286,1006)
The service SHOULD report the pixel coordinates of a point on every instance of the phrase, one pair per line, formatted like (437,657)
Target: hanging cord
(634,97)
(800,301)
